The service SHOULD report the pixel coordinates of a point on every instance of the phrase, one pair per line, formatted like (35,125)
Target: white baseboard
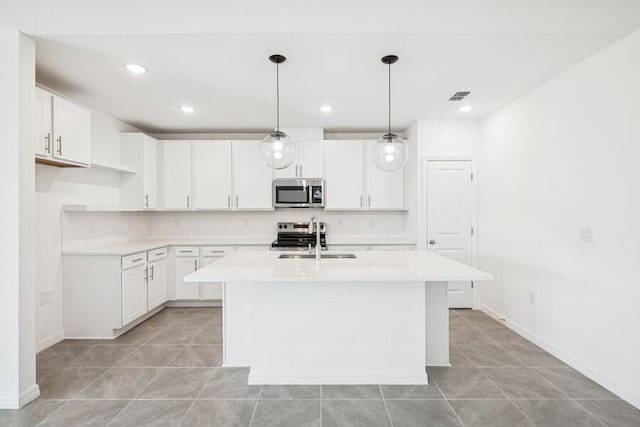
(259,378)
(194,303)
(614,386)
(48,342)
(16,402)
(30,394)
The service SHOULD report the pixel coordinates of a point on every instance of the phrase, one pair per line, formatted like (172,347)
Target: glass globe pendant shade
(390,153)
(277,150)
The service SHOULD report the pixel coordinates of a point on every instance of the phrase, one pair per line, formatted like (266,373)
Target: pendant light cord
(389,98)
(278,97)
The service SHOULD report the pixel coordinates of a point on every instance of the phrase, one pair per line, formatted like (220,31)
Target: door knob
(432,242)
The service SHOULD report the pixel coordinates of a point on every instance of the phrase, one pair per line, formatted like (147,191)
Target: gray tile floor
(166,372)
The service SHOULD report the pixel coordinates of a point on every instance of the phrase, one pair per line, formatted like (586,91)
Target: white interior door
(449,189)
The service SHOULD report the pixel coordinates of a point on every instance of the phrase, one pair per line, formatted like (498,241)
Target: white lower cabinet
(188,260)
(134,293)
(102,294)
(157,283)
(186,290)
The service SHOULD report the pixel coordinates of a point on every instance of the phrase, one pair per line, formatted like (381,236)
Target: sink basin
(310,256)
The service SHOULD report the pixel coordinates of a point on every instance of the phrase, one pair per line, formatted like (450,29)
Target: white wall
(562,157)
(57,186)
(263,224)
(17,311)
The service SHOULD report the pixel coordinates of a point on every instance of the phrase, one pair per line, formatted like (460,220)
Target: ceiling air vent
(459,96)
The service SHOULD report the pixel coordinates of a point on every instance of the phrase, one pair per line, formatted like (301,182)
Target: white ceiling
(214,56)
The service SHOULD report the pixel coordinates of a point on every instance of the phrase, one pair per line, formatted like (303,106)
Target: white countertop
(132,247)
(375,266)
(127,248)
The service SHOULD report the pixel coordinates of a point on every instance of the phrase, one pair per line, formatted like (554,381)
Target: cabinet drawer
(216,250)
(187,251)
(156,254)
(134,260)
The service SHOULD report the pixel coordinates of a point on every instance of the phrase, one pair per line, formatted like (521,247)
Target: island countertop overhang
(368,266)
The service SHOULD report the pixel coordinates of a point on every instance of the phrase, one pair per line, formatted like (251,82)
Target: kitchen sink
(312,256)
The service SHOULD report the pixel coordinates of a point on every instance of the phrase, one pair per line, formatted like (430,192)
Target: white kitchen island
(376,319)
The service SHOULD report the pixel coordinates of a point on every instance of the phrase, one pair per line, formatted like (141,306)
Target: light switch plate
(45,298)
(586,234)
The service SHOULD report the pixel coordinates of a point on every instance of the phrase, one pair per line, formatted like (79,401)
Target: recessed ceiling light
(465,108)
(326,108)
(135,68)
(187,109)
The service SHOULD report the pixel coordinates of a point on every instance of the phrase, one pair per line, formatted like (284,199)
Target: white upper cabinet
(63,131)
(310,159)
(252,178)
(72,131)
(344,174)
(308,162)
(212,175)
(149,172)
(176,174)
(385,190)
(139,190)
(44,123)
(352,181)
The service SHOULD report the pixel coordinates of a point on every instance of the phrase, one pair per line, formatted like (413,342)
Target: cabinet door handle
(188,201)
(237,204)
(369,200)
(60,145)
(152,272)
(195,263)
(159,253)
(137,259)
(228,201)
(146,274)
(47,147)
(186,251)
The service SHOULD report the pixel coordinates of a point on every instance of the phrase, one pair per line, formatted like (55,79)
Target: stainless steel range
(298,236)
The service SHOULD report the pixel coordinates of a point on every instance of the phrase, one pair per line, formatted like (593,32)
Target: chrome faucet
(315,221)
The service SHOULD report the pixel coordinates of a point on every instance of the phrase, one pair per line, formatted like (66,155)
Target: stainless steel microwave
(298,193)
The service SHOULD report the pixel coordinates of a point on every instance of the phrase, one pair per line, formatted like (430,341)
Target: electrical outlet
(532,298)
(45,298)
(586,234)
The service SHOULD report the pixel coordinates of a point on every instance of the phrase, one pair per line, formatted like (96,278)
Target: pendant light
(390,152)
(277,149)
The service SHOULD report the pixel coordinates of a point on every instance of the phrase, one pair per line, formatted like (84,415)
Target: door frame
(423,210)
